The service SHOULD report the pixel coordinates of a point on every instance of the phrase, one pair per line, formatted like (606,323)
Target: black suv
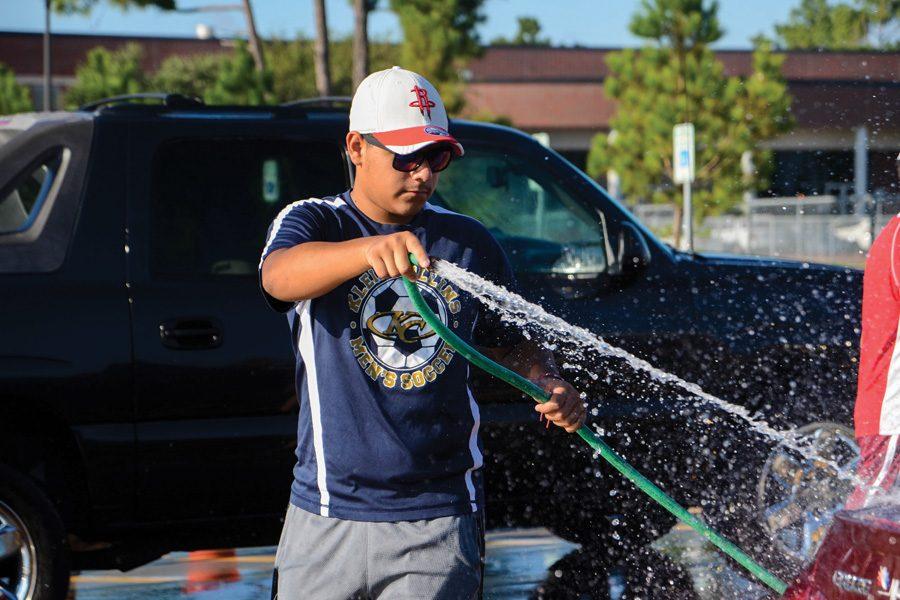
(146,392)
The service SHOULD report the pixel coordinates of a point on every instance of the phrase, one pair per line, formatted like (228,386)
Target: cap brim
(413,139)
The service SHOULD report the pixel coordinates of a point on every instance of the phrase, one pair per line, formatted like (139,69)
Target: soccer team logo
(395,333)
(391,341)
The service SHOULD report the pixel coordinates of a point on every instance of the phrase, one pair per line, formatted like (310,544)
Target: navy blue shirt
(388,426)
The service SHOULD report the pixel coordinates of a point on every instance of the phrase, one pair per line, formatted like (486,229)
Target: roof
(543,63)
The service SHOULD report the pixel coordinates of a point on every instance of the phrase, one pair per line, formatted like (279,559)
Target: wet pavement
(521,564)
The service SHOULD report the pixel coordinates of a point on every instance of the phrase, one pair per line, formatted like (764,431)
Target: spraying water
(515,309)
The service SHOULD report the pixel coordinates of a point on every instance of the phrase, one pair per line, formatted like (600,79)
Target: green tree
(238,81)
(106,73)
(191,76)
(527,35)
(439,39)
(14,97)
(841,26)
(293,71)
(678,79)
(85,6)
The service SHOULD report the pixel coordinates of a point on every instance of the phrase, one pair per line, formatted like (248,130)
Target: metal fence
(815,228)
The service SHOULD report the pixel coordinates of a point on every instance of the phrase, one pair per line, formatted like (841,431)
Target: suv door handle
(190,334)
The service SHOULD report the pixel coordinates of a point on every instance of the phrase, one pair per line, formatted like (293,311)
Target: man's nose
(424,172)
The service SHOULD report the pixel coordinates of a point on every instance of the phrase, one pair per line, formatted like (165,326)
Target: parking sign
(683,153)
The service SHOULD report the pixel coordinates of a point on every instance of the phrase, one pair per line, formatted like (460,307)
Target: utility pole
(48,77)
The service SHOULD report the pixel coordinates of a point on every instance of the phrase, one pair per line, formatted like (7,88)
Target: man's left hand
(565,407)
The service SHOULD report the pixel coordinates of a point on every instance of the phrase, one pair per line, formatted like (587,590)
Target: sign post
(683,173)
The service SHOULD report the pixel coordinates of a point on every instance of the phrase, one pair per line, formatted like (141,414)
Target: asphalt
(521,564)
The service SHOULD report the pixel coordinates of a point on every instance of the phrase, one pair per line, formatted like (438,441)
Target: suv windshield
(539,223)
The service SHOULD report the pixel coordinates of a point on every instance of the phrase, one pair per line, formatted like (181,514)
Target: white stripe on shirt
(477,458)
(894,264)
(276,224)
(307,351)
(889,423)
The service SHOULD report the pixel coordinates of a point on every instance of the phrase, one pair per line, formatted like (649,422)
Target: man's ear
(355,147)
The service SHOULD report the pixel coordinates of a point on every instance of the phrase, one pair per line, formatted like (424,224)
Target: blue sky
(565,22)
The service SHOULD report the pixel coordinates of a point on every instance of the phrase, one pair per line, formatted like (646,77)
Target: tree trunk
(360,41)
(255,47)
(323,72)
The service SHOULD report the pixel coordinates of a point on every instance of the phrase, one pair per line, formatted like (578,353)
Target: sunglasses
(438,156)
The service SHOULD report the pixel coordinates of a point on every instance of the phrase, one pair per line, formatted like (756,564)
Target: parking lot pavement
(517,561)
(521,563)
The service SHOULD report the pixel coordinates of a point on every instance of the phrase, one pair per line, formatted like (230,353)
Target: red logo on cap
(422,102)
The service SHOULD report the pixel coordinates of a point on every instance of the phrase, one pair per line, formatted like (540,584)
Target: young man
(877,412)
(387,499)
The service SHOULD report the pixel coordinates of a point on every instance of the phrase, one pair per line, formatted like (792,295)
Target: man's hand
(565,407)
(389,255)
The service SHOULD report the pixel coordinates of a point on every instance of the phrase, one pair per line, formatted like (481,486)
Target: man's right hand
(388,255)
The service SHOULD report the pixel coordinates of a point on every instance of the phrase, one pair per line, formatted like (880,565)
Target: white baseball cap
(402,110)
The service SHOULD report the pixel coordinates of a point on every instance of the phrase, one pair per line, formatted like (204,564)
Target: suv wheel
(34,561)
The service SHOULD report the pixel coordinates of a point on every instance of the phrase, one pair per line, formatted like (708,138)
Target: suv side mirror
(632,252)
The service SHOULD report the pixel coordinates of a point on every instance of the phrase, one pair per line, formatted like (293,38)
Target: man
(387,500)
(877,411)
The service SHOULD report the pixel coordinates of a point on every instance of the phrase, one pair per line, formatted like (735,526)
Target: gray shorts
(325,558)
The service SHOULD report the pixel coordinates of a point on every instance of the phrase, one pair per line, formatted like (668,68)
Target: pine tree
(818,24)
(439,38)
(678,79)
(527,35)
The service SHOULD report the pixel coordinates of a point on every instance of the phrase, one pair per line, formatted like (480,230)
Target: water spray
(591,438)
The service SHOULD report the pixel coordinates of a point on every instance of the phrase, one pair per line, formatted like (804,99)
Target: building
(846,104)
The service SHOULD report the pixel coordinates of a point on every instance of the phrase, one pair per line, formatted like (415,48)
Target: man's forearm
(529,359)
(312,269)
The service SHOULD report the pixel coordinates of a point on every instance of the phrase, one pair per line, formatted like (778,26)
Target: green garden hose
(644,484)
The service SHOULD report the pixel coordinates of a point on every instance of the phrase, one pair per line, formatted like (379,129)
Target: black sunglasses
(437,155)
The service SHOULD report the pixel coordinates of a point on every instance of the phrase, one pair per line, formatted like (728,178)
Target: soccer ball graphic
(394,333)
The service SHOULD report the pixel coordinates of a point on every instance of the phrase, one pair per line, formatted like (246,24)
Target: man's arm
(311,269)
(529,359)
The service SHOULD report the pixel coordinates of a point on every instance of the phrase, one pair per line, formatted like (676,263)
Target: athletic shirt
(388,426)
(878,392)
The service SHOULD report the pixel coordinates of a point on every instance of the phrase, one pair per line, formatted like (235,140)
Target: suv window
(21,201)
(212,200)
(540,225)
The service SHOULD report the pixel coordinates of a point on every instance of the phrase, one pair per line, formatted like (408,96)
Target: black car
(146,393)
